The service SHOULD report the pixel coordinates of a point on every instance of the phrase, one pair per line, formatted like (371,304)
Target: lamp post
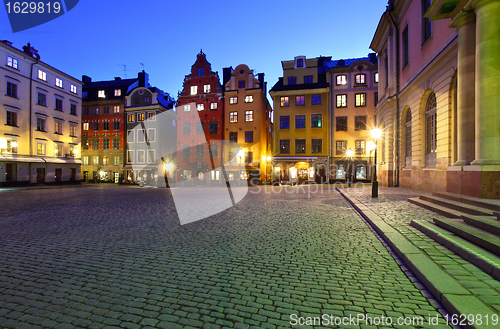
(376,134)
(349,154)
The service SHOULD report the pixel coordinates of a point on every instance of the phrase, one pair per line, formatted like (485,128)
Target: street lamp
(349,154)
(376,134)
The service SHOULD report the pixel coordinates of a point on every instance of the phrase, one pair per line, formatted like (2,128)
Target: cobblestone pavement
(108,257)
(393,207)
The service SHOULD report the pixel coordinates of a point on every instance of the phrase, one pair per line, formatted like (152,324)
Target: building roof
(279,86)
(327,65)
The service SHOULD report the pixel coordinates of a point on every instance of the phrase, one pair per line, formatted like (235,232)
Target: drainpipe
(397,169)
(37,59)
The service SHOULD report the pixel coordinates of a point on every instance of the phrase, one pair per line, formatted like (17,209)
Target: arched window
(408,139)
(430,131)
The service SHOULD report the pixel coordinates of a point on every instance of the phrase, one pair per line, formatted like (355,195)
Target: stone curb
(449,292)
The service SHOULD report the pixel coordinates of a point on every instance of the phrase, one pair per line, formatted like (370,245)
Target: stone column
(466,138)
(487,82)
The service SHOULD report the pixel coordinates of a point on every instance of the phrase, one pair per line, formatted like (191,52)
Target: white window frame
(233,100)
(139,138)
(13,111)
(143,154)
(186,108)
(39,117)
(56,154)
(44,147)
(194,90)
(154,156)
(56,123)
(206,89)
(131,136)
(85,160)
(247,113)
(75,127)
(249,99)
(74,89)
(59,82)
(42,75)
(12,62)
(341,80)
(118,92)
(214,106)
(151,132)
(131,156)
(200,107)
(12,140)
(233,117)
(133,117)
(101,93)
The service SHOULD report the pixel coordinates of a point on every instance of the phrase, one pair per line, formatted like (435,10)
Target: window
(213,106)
(84,94)
(430,131)
(340,147)
(360,123)
(95,143)
(360,100)
(360,147)
(118,92)
(140,136)
(375,77)
(248,116)
(72,130)
(386,71)
(248,157)
(299,62)
(85,160)
(141,156)
(300,121)
(285,101)
(206,89)
(316,120)
(95,126)
(249,99)
(96,110)
(85,143)
(426,22)
(101,94)
(233,100)
(186,152)
(41,148)
(316,145)
(42,99)
(233,117)
(151,135)
(284,146)
(12,145)
(11,89)
(200,107)
(85,126)
(11,118)
(105,144)
(214,151)
(316,100)
(42,75)
(233,137)
(194,90)
(360,79)
(341,123)
(152,116)
(407,135)
(186,128)
(73,89)
(58,127)
(72,149)
(375,97)
(85,111)
(116,160)
(116,125)
(284,122)
(292,80)
(200,127)
(151,156)
(140,117)
(341,80)
(41,124)
(105,110)
(341,101)
(213,128)
(58,150)
(130,156)
(59,82)
(131,117)
(241,84)
(116,143)
(131,136)
(12,62)
(105,161)
(300,146)
(186,108)
(300,100)
(116,109)
(248,136)
(405,43)
(308,79)
(72,109)
(59,105)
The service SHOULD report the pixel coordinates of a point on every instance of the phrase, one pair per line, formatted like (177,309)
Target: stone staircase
(468,226)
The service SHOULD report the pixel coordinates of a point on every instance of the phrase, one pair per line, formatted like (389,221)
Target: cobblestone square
(106,256)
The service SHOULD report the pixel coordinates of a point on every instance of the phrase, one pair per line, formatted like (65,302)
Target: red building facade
(200,126)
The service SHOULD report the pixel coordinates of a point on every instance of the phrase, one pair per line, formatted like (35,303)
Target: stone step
(490,204)
(473,234)
(488,223)
(458,206)
(444,211)
(485,260)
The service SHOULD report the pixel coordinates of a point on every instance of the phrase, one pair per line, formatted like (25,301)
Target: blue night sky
(97,36)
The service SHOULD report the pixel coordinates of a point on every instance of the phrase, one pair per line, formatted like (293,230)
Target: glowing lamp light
(269,158)
(168,166)
(349,153)
(376,133)
(3,143)
(370,146)
(13,144)
(241,153)
(263,158)
(75,151)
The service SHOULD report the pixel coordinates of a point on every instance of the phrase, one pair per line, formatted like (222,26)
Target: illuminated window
(85,126)
(340,147)
(376,77)
(58,127)
(233,100)
(341,80)
(141,117)
(285,101)
(72,130)
(41,148)
(152,116)
(194,90)
(12,62)
(341,100)
(360,79)
(300,100)
(200,107)
(360,147)
(360,100)
(316,121)
(59,82)
(186,108)
(206,89)
(73,89)
(249,99)
(105,161)
(248,116)
(131,118)
(58,150)
(101,94)
(213,106)
(42,75)
(233,117)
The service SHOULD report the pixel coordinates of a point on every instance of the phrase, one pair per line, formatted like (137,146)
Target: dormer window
(201,71)
(300,62)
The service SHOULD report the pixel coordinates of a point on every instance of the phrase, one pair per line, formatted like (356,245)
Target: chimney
(341,62)
(226,75)
(86,79)
(262,83)
(7,42)
(372,57)
(30,51)
(118,79)
(143,79)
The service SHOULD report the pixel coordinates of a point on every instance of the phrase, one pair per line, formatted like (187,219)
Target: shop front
(299,170)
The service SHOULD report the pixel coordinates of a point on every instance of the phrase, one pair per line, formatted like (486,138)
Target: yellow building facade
(301,120)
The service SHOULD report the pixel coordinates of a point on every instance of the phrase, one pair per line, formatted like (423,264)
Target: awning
(38,159)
